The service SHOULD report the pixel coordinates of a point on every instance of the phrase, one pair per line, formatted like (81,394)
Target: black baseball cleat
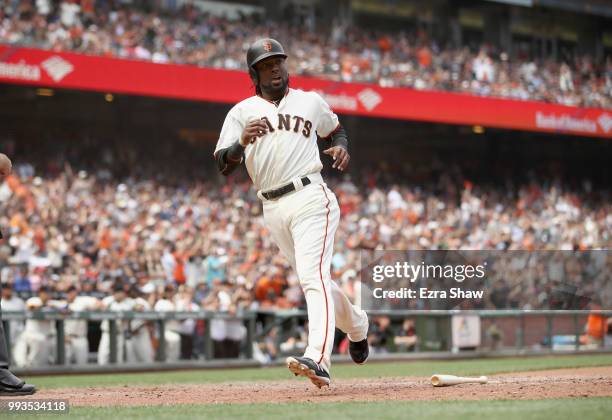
(359,351)
(12,385)
(302,366)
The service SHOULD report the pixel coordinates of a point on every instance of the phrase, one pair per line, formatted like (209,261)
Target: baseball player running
(275,134)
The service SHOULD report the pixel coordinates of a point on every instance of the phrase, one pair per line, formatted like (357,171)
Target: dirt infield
(562,383)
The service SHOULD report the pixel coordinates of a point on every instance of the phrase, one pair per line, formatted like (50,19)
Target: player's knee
(308,274)
(314,282)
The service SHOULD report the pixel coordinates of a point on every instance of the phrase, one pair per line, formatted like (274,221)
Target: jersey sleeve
(88,303)
(33,302)
(231,131)
(107,301)
(328,120)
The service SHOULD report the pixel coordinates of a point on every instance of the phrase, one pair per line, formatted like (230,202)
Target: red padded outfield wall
(75,71)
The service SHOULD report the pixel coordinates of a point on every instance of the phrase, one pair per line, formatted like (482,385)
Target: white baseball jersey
(111,304)
(78,327)
(165,305)
(289,149)
(41,326)
(187,325)
(139,304)
(139,347)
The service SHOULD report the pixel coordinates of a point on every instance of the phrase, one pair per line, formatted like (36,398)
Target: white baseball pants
(303,224)
(139,348)
(77,349)
(34,349)
(104,348)
(173,346)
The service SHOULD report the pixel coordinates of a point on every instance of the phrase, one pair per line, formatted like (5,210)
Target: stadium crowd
(160,237)
(410,58)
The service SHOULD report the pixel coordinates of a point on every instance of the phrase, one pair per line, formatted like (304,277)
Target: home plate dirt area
(560,383)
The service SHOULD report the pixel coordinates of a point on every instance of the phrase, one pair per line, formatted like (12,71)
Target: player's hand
(5,165)
(340,155)
(253,129)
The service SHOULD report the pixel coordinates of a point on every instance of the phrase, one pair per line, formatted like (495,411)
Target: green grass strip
(559,409)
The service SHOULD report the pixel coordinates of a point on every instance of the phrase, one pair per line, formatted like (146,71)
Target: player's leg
(40,349)
(120,348)
(20,350)
(353,321)
(277,219)
(313,225)
(69,352)
(104,349)
(130,350)
(144,347)
(80,347)
(350,319)
(173,346)
(279,230)
(278,216)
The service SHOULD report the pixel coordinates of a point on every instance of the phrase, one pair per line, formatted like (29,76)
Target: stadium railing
(535,331)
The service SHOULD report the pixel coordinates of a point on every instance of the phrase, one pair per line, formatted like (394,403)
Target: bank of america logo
(57,68)
(369,98)
(605,121)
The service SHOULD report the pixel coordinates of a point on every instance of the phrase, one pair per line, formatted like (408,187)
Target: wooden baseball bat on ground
(448,380)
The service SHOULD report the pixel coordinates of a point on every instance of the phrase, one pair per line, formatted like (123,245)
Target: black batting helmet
(260,50)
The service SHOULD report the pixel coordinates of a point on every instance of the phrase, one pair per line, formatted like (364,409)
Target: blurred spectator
(117,302)
(266,351)
(409,58)
(173,327)
(596,327)
(495,335)
(297,341)
(566,83)
(405,339)
(138,343)
(184,303)
(35,347)
(380,335)
(77,345)
(226,332)
(22,283)
(608,337)
(483,67)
